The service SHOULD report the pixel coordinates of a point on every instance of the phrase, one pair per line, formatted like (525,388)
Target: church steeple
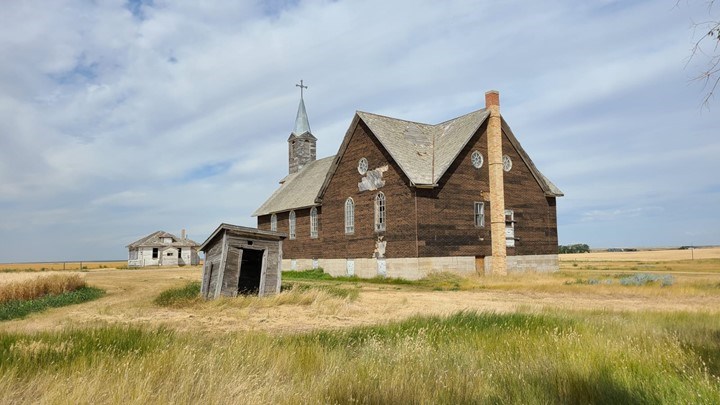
(301,143)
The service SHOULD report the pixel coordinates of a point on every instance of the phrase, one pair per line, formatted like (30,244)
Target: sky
(121,118)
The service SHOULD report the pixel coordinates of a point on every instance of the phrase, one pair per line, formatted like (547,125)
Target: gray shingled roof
(155,239)
(424,152)
(298,190)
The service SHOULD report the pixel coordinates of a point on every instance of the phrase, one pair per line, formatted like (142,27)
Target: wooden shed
(241,260)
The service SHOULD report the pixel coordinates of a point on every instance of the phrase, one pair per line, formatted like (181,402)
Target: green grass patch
(336,291)
(31,353)
(440,281)
(179,297)
(21,308)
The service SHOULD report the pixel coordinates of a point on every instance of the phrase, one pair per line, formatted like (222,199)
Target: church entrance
(250,271)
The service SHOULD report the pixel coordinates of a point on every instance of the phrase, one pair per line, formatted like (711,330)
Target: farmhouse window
(291,230)
(273,222)
(313,222)
(168,254)
(349,216)
(479,214)
(155,253)
(179,252)
(379,212)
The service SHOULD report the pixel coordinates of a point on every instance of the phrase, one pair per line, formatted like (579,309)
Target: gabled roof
(156,239)
(297,190)
(423,152)
(243,231)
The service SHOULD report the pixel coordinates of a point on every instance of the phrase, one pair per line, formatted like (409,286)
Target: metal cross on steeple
(301,88)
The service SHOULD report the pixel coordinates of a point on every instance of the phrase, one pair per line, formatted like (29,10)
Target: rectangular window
(349,216)
(380,212)
(509,228)
(313,223)
(291,227)
(273,222)
(479,214)
(155,253)
(169,254)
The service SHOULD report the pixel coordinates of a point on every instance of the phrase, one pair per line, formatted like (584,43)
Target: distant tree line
(576,248)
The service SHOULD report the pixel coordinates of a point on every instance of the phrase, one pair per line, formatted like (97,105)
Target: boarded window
(313,222)
(155,253)
(479,214)
(349,216)
(273,222)
(509,228)
(380,212)
(291,230)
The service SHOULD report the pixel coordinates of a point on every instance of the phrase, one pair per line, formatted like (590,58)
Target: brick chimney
(497,189)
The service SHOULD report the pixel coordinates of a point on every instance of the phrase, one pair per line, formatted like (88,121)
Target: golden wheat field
(68,265)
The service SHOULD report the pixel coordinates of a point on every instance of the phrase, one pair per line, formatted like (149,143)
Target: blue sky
(121,118)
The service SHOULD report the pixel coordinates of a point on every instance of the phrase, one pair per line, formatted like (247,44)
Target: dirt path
(130,294)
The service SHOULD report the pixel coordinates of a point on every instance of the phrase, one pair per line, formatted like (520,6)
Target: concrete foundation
(417,268)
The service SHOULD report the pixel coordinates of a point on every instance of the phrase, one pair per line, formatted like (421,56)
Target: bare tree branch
(710,74)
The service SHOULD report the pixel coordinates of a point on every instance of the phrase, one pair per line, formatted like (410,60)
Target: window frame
(273,222)
(292,225)
(479,214)
(380,212)
(349,219)
(313,223)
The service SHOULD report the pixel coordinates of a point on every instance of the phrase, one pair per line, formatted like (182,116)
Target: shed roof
(157,239)
(244,231)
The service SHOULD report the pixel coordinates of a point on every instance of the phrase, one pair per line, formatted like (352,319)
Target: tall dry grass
(584,357)
(39,287)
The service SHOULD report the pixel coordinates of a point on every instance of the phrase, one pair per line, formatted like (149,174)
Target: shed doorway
(250,271)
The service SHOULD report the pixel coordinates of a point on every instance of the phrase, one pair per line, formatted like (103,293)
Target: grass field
(576,336)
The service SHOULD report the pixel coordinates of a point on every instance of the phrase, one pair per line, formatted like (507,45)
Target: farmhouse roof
(297,190)
(157,239)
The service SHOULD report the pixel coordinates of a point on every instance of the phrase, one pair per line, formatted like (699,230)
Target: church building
(403,199)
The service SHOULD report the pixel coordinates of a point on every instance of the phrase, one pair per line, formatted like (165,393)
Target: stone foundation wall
(528,263)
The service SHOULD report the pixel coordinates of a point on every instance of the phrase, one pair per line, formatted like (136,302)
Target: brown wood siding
(399,200)
(421,222)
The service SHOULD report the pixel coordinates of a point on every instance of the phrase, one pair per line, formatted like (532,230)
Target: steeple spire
(302,124)
(302,143)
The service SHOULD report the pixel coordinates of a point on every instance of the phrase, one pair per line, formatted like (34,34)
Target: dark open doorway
(250,270)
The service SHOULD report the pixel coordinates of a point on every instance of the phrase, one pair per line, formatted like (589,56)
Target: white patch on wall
(350,267)
(380,245)
(381,267)
(315,264)
(373,179)
(293,264)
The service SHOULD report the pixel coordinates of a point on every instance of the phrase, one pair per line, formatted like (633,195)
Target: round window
(477,159)
(507,163)
(362,166)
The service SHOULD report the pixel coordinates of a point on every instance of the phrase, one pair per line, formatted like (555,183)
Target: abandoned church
(403,199)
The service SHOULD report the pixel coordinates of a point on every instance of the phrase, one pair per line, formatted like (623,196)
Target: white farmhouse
(163,249)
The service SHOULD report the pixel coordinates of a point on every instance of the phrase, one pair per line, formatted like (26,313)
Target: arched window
(349,216)
(291,231)
(273,222)
(313,222)
(380,212)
